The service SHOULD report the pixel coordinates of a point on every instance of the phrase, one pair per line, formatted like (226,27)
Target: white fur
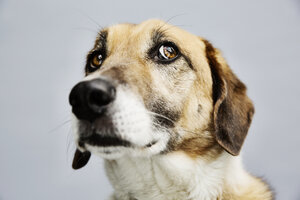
(130,118)
(174,176)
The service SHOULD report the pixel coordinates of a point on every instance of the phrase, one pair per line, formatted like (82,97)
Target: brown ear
(233,110)
(80,159)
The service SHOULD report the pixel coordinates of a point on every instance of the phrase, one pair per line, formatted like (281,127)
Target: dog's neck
(172,176)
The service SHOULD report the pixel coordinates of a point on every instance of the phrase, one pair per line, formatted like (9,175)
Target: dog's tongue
(80,159)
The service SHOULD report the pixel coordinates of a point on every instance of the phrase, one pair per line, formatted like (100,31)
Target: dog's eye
(167,52)
(96,61)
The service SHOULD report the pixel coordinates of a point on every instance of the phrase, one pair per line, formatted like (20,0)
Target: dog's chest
(171,178)
(143,179)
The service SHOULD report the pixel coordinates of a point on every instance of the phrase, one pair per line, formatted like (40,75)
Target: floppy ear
(80,159)
(233,110)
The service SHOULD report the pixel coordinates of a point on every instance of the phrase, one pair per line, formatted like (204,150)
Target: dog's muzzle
(89,99)
(111,121)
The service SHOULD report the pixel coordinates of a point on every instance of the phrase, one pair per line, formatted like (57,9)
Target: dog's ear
(80,159)
(233,110)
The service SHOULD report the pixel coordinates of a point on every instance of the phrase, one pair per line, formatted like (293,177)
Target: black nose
(89,98)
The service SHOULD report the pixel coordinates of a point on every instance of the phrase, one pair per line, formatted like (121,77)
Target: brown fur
(198,94)
(233,110)
(256,190)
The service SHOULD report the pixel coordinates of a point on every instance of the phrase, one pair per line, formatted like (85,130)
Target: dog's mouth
(106,133)
(103,141)
(98,140)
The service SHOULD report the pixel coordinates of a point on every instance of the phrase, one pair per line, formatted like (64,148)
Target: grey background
(42,53)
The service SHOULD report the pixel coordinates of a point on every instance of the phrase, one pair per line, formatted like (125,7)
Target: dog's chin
(110,153)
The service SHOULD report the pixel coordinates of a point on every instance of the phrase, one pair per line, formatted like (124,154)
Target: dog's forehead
(144,33)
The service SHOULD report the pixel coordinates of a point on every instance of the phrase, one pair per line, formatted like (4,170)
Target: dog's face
(153,88)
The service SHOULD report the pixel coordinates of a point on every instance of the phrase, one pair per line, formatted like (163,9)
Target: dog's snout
(89,98)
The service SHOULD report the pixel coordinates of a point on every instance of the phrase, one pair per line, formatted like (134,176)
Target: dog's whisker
(69,142)
(175,16)
(160,126)
(91,19)
(181,129)
(167,28)
(160,115)
(59,126)
(172,121)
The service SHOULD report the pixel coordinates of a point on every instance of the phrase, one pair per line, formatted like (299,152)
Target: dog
(167,114)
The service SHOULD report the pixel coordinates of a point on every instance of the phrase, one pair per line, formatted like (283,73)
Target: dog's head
(153,88)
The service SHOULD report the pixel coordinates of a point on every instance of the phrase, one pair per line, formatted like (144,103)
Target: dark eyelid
(96,52)
(100,46)
(101,40)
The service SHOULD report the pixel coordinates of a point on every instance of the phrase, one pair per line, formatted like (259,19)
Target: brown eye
(167,52)
(96,61)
